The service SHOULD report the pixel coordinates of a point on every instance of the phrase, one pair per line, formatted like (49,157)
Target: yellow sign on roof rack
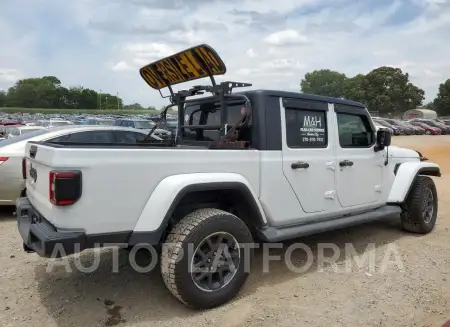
(188,65)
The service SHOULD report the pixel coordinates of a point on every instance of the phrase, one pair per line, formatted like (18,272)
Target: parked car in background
(53,123)
(445,129)
(105,122)
(5,130)
(399,123)
(87,121)
(397,130)
(10,123)
(447,122)
(429,130)
(20,130)
(418,130)
(13,150)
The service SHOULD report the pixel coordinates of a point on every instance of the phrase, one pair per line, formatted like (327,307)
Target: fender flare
(158,210)
(406,174)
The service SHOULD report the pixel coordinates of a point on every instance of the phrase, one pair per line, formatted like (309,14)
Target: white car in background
(12,150)
(53,123)
(20,130)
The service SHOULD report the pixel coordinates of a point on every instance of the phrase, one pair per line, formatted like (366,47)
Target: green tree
(388,90)
(354,88)
(111,102)
(47,92)
(430,105)
(133,106)
(35,93)
(324,82)
(442,101)
(2,98)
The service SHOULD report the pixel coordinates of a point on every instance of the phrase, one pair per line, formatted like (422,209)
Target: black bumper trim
(41,237)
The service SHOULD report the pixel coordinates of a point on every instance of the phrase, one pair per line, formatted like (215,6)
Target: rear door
(308,153)
(359,172)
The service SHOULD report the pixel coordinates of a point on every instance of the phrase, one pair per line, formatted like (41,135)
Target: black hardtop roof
(303,96)
(290,95)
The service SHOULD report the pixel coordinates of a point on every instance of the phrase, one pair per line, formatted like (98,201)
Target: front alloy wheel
(215,262)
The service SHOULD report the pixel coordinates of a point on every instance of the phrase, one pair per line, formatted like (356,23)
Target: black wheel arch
(423,171)
(254,217)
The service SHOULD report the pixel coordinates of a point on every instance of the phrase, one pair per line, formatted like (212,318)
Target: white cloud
(141,54)
(251,53)
(121,66)
(270,44)
(9,75)
(286,37)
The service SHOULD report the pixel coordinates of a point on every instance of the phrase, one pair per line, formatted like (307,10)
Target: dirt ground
(412,291)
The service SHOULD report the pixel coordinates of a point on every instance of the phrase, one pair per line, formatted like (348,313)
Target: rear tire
(421,207)
(428,132)
(191,250)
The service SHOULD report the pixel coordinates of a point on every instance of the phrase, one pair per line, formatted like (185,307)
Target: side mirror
(383,139)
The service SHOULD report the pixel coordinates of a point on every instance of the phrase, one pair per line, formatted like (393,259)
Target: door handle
(299,164)
(346,163)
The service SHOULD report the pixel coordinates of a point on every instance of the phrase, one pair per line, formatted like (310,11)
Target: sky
(101,44)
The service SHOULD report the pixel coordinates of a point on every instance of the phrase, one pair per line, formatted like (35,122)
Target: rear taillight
(3,160)
(24,168)
(65,187)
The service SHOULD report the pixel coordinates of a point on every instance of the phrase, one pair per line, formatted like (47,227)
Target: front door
(308,154)
(359,172)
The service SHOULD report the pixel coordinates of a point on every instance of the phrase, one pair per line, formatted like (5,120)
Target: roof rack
(188,65)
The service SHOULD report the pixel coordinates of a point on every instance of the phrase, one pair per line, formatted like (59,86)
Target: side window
(61,138)
(128,137)
(91,137)
(354,131)
(306,128)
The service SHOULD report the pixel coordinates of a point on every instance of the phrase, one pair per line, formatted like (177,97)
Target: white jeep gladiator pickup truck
(242,167)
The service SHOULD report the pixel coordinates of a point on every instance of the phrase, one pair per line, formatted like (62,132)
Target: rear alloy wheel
(428,132)
(204,258)
(421,206)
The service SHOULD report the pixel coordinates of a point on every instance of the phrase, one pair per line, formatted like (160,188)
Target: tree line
(387,90)
(48,93)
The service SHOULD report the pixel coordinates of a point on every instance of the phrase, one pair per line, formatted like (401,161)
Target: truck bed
(117,180)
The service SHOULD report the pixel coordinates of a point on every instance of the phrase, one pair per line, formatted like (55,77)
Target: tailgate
(38,160)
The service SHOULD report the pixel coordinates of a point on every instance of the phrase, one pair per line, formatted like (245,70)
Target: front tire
(203,261)
(421,206)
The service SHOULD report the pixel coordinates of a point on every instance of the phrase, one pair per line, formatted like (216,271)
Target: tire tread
(174,243)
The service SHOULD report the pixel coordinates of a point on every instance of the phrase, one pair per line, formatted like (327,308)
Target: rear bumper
(40,236)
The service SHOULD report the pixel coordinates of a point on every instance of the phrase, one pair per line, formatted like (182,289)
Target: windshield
(106,122)
(432,123)
(382,122)
(59,123)
(143,124)
(7,129)
(392,122)
(43,123)
(23,137)
(26,131)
